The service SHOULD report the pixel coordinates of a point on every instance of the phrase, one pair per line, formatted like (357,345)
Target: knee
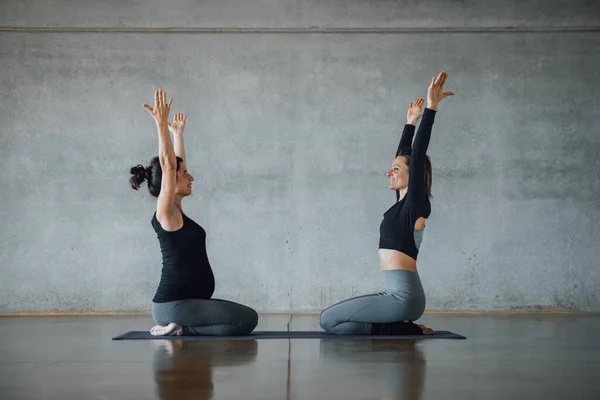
(326,322)
(245,325)
(247,321)
(252,320)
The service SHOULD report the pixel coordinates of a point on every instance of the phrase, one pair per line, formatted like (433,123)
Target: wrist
(412,121)
(432,106)
(162,124)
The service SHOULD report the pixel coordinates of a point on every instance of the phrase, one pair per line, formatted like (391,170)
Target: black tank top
(186,271)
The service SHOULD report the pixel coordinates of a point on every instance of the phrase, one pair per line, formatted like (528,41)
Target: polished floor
(504,357)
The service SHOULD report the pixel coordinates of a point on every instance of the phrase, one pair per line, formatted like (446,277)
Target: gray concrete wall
(289,138)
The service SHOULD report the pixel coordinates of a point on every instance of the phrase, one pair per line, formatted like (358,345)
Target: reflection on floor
(504,357)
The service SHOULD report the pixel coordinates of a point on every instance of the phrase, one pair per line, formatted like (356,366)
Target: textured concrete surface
(502,358)
(303,13)
(289,138)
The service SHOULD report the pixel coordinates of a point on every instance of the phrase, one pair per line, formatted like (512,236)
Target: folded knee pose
(182,304)
(401,232)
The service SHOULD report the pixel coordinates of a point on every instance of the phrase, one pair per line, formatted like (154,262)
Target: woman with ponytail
(394,310)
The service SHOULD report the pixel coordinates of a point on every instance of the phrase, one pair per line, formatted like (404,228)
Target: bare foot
(172,329)
(426,330)
(165,344)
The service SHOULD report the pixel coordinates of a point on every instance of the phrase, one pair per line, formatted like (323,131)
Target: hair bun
(139,175)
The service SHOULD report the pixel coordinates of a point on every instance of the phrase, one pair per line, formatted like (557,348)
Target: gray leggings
(403,299)
(206,317)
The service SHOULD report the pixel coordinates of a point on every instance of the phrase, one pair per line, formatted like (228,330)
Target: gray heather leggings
(206,317)
(402,299)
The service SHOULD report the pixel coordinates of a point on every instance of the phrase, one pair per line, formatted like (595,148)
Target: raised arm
(416,174)
(165,206)
(406,140)
(412,116)
(177,128)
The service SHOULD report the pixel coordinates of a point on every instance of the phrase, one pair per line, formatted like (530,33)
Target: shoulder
(168,222)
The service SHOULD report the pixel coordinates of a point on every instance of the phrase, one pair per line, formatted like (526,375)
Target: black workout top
(398,225)
(186,271)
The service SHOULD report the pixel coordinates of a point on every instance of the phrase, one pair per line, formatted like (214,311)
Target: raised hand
(414,112)
(178,124)
(435,93)
(161,109)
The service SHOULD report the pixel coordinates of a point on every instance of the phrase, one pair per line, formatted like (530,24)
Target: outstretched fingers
(444,78)
(439,80)
(417,103)
(435,92)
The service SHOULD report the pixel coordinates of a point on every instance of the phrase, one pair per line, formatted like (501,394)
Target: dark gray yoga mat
(145,335)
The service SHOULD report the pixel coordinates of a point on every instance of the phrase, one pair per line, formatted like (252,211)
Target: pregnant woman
(182,304)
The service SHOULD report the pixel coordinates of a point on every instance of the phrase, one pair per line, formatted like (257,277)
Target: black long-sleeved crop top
(398,225)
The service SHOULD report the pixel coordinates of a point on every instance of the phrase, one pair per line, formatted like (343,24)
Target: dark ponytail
(152,173)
